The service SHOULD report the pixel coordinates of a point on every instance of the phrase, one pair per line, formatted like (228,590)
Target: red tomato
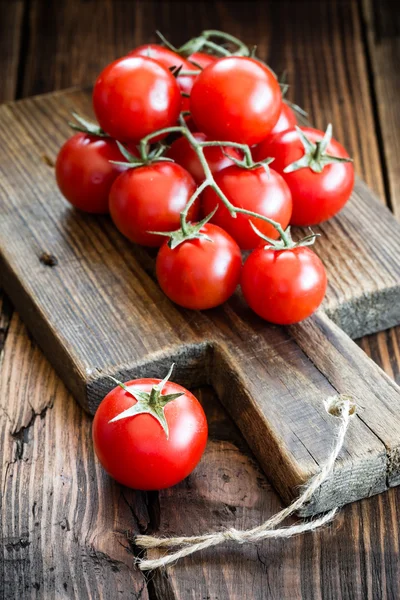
(136,450)
(199,273)
(84,173)
(236,99)
(134,96)
(253,190)
(316,196)
(283,286)
(167,58)
(202,59)
(150,198)
(182,152)
(287,120)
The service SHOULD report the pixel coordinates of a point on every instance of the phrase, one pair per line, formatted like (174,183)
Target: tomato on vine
(287,120)
(236,99)
(283,286)
(201,272)
(217,157)
(149,434)
(168,59)
(134,96)
(150,198)
(256,190)
(84,172)
(316,168)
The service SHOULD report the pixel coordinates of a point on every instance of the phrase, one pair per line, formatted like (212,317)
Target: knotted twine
(340,406)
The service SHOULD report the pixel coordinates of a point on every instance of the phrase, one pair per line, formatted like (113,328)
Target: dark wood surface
(99,312)
(324,45)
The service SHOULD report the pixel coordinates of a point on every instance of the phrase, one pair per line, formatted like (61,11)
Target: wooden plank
(94,33)
(356,557)
(382,25)
(11,16)
(100,312)
(227,489)
(63,521)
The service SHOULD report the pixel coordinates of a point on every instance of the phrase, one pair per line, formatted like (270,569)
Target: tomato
(202,59)
(316,196)
(150,198)
(182,152)
(143,451)
(134,96)
(283,286)
(287,120)
(84,172)
(168,58)
(236,99)
(255,190)
(200,273)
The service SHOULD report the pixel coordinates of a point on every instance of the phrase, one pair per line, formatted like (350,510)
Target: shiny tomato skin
(200,274)
(136,451)
(167,58)
(134,96)
(182,152)
(150,198)
(283,287)
(84,172)
(236,99)
(202,59)
(255,190)
(316,196)
(287,120)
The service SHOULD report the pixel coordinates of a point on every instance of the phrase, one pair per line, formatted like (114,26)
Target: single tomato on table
(283,286)
(200,273)
(236,99)
(84,172)
(149,434)
(217,157)
(150,198)
(258,190)
(135,96)
(316,168)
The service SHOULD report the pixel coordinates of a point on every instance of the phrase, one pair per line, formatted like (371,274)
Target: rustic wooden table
(66,529)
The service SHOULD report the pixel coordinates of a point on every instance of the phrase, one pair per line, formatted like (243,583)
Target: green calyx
(286,243)
(86,126)
(315,154)
(204,42)
(152,403)
(188,231)
(132,161)
(248,163)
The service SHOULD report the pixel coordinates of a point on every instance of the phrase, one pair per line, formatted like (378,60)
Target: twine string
(340,406)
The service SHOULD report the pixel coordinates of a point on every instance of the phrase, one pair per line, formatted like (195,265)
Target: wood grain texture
(382,24)
(63,522)
(357,558)
(74,551)
(11,15)
(99,312)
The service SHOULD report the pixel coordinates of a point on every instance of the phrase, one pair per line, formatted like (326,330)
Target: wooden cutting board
(99,312)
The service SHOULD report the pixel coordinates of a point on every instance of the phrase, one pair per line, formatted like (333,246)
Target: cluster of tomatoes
(189,174)
(180,160)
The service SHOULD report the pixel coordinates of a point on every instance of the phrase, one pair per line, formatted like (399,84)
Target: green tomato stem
(209,180)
